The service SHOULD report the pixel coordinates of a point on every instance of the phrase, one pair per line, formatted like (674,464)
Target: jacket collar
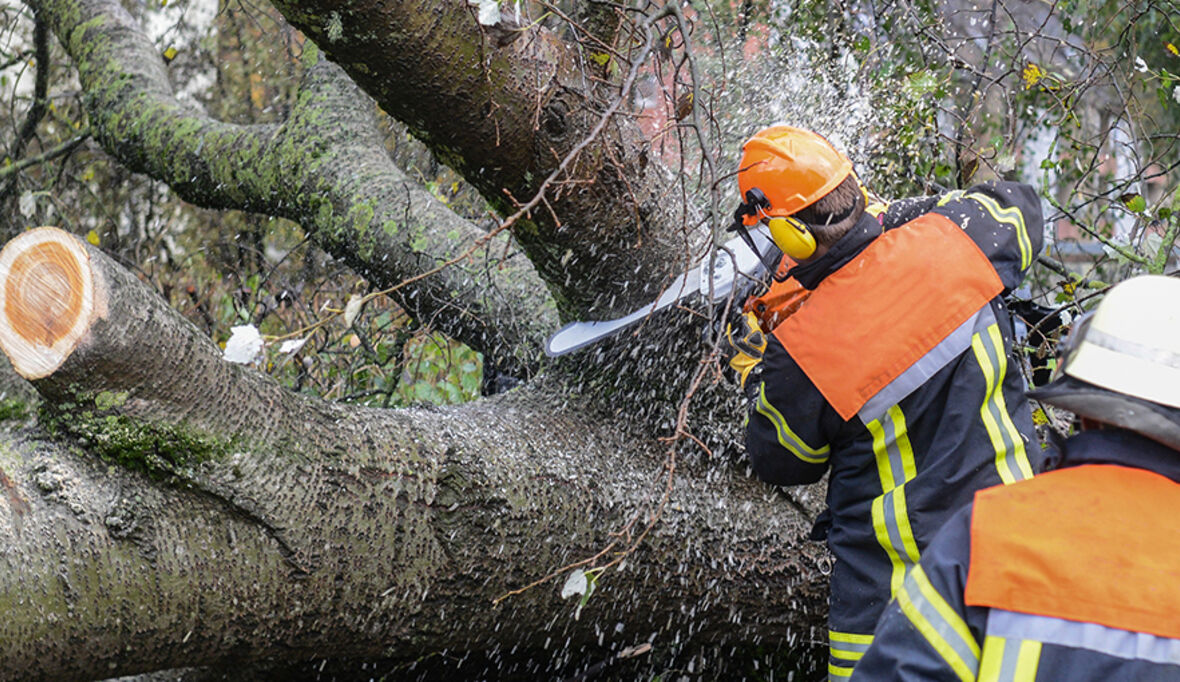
(1119,447)
(849,246)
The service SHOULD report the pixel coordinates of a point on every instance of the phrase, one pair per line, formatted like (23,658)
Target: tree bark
(248,525)
(325,167)
(504,105)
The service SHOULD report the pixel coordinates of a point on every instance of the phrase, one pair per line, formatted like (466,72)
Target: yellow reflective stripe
(909,468)
(895,467)
(1028,662)
(903,525)
(1001,664)
(993,431)
(986,409)
(849,637)
(1010,216)
(786,437)
(912,606)
(881,452)
(1006,419)
(882,532)
(992,661)
(838,672)
(944,609)
(848,646)
(950,196)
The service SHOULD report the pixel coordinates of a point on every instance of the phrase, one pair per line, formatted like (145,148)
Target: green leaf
(1137,204)
(921,83)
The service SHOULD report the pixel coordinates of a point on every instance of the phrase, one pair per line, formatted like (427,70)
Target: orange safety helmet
(793,167)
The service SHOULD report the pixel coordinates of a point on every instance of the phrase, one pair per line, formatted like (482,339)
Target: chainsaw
(743,259)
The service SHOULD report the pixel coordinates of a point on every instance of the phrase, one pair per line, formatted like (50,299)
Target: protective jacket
(894,376)
(1073,575)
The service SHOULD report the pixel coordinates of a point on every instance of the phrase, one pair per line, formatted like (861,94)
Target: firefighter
(894,376)
(1074,574)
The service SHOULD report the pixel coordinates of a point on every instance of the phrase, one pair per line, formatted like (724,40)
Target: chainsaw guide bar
(723,270)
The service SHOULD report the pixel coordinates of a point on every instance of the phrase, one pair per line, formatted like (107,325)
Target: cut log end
(47,299)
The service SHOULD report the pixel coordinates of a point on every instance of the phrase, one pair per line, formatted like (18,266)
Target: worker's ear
(793,237)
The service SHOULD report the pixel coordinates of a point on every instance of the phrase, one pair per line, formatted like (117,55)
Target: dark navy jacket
(929,634)
(917,452)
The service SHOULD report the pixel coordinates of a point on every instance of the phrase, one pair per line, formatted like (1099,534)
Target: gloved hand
(748,342)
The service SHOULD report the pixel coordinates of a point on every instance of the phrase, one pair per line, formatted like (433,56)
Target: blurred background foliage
(1079,97)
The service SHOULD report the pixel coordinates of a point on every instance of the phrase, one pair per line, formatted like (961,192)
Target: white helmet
(1121,363)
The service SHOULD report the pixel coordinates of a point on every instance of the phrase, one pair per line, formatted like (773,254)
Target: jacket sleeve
(783,435)
(901,211)
(1004,219)
(926,633)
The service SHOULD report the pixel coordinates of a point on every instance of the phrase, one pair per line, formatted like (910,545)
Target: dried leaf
(292,345)
(489,12)
(1032,74)
(27,204)
(352,309)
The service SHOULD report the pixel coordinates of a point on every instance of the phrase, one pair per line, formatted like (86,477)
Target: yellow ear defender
(792,236)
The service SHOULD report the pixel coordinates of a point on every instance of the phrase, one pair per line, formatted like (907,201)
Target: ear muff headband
(792,236)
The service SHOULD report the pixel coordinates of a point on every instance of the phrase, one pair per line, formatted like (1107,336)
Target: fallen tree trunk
(191,512)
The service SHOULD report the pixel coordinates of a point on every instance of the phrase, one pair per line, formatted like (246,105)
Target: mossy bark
(325,167)
(503,105)
(314,531)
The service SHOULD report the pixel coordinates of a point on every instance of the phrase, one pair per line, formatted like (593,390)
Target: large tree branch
(265,525)
(325,167)
(505,105)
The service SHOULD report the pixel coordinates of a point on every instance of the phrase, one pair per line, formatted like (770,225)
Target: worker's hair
(834,213)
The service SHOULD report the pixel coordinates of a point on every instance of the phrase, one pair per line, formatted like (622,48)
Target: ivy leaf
(575,584)
(1135,203)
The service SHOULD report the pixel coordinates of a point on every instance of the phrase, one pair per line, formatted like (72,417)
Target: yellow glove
(748,342)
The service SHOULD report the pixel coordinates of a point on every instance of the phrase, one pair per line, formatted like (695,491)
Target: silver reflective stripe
(895,538)
(899,472)
(1126,347)
(1110,641)
(1007,434)
(1009,660)
(939,623)
(927,366)
(848,651)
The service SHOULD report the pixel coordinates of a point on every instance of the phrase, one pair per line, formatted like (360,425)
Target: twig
(46,156)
